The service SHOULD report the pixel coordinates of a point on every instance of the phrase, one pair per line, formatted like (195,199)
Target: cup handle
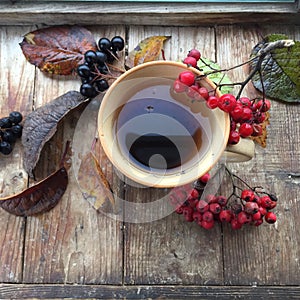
(244,150)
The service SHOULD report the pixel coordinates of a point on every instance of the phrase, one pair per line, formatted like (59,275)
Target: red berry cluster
(246,115)
(249,207)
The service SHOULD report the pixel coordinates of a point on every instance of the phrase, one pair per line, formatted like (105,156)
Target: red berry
(187,78)
(247,195)
(227,102)
(212,102)
(193,92)
(179,209)
(211,199)
(263,210)
(197,216)
(225,215)
(204,178)
(257,130)
(194,53)
(194,193)
(258,222)
(251,208)
(263,105)
(245,101)
(202,206)
(215,208)
(222,200)
(190,61)
(232,125)
(234,137)
(245,130)
(247,114)
(257,216)
(266,202)
(188,213)
(270,218)
(259,117)
(192,201)
(237,113)
(244,218)
(208,216)
(203,92)
(273,204)
(235,224)
(178,86)
(208,225)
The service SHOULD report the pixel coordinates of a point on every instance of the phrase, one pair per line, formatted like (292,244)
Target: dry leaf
(94,184)
(262,139)
(57,50)
(147,50)
(40,125)
(39,198)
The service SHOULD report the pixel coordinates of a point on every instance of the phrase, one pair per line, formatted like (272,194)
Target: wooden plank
(252,255)
(170,250)
(16,93)
(72,243)
(184,14)
(19,291)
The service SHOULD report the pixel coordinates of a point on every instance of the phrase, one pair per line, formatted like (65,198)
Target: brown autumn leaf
(57,50)
(94,185)
(41,124)
(39,198)
(262,139)
(147,50)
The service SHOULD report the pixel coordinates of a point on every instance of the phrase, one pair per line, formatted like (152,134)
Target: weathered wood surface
(13,291)
(75,244)
(139,13)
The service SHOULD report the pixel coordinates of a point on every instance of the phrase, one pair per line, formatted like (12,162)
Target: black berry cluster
(94,71)
(10,131)
(244,206)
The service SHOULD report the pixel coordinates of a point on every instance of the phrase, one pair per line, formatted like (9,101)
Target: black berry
(84,71)
(117,43)
(90,56)
(102,85)
(5,148)
(15,117)
(104,44)
(5,122)
(88,90)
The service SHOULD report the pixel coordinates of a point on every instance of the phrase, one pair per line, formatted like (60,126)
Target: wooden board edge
(22,291)
(146,13)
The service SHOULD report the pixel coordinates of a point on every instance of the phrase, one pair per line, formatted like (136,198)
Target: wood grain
(72,249)
(148,292)
(160,252)
(72,243)
(139,13)
(16,93)
(269,254)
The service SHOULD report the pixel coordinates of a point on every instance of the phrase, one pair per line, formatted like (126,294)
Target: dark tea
(158,133)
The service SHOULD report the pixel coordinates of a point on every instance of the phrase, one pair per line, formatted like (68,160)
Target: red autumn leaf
(147,50)
(57,50)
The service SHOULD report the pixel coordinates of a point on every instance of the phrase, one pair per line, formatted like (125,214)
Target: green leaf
(208,66)
(280,70)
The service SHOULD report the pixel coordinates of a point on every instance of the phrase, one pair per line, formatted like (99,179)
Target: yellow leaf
(94,184)
(147,50)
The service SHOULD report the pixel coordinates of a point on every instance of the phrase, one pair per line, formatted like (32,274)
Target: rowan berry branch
(259,57)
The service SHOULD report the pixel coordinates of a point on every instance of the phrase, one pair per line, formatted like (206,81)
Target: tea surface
(158,133)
